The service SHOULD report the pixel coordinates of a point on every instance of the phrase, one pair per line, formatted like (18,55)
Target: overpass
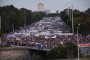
(23,53)
(25,47)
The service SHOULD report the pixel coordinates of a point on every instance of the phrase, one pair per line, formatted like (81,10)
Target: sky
(52,5)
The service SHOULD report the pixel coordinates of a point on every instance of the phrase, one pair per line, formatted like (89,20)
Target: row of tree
(14,18)
(79,17)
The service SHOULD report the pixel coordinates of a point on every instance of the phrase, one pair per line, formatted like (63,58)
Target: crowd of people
(27,36)
(45,43)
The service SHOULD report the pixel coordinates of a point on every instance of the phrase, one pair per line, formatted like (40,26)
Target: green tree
(63,51)
(13,17)
(82,18)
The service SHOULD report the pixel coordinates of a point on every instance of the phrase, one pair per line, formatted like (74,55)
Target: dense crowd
(35,35)
(45,43)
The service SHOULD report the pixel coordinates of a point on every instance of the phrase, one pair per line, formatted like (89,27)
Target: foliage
(63,51)
(82,18)
(12,17)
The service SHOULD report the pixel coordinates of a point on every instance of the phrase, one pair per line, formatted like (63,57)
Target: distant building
(47,11)
(41,7)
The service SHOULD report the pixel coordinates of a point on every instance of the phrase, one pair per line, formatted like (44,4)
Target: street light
(12,22)
(0,22)
(72,21)
(25,18)
(78,41)
(70,13)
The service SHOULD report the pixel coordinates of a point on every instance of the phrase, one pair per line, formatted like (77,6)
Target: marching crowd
(46,43)
(26,36)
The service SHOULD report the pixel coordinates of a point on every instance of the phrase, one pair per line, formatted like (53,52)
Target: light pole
(0,22)
(24,19)
(70,17)
(12,22)
(72,21)
(70,13)
(78,41)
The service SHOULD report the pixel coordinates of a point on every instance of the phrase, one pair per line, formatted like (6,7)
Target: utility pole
(13,27)
(0,31)
(78,41)
(25,18)
(12,22)
(72,21)
(70,13)
(0,22)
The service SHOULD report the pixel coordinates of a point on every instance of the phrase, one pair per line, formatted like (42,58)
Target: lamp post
(78,41)
(70,13)
(12,22)
(25,19)
(0,22)
(72,21)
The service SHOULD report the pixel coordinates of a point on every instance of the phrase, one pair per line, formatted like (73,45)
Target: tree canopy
(67,50)
(12,17)
(82,18)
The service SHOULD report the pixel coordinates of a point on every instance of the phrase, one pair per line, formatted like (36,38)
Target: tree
(58,53)
(63,51)
(13,17)
(83,18)
(71,49)
(88,11)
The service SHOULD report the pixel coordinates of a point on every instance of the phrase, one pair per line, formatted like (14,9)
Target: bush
(63,51)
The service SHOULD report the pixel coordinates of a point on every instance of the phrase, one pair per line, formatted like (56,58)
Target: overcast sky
(52,5)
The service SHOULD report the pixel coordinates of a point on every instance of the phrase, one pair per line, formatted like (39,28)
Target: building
(47,11)
(41,7)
